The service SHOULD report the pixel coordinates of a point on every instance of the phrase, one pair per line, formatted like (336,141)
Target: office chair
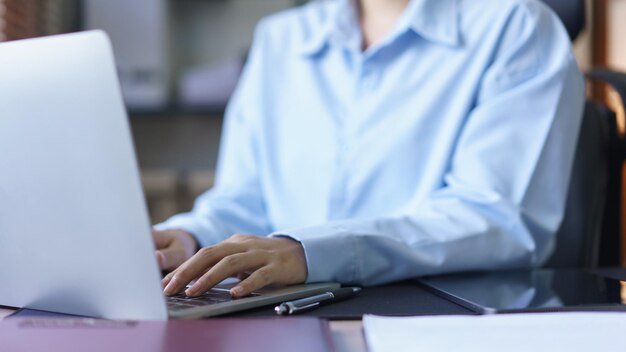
(590,233)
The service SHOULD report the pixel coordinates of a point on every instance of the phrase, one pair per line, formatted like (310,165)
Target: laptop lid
(74,230)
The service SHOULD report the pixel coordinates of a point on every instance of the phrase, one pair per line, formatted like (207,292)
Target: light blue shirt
(445,147)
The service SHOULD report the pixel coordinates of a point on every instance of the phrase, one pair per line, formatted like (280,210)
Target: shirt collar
(434,20)
(339,27)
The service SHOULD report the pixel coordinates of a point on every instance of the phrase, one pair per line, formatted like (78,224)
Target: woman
(376,140)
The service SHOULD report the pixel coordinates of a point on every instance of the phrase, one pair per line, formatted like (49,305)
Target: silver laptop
(74,231)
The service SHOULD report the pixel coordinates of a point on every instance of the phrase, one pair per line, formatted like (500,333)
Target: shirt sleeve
(502,199)
(235,204)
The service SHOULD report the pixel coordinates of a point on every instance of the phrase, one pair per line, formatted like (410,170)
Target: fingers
(242,276)
(166,280)
(227,267)
(197,265)
(265,260)
(258,279)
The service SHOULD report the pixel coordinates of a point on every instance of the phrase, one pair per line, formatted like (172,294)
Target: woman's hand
(260,260)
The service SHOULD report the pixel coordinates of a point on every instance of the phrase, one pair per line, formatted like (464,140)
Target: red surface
(274,334)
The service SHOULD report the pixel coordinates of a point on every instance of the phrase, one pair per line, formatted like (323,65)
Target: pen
(308,303)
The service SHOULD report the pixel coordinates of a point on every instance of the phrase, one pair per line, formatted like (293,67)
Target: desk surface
(399,299)
(347,335)
(404,298)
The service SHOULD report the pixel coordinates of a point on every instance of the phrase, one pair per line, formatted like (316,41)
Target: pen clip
(295,309)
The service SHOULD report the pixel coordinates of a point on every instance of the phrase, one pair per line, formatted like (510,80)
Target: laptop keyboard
(212,296)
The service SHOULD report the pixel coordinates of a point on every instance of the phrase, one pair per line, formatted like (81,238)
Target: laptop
(75,236)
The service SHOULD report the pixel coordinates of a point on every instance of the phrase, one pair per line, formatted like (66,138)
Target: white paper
(511,333)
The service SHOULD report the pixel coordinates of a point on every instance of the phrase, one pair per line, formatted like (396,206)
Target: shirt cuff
(329,251)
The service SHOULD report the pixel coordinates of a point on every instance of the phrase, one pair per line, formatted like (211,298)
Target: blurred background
(179,61)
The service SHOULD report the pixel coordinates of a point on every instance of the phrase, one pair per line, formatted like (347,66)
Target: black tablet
(541,290)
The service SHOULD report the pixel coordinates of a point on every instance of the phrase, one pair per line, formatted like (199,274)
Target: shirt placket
(365,81)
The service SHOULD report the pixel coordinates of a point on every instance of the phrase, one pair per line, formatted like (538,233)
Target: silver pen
(312,302)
